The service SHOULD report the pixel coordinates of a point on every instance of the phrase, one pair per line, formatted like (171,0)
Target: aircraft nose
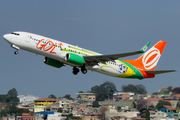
(6,37)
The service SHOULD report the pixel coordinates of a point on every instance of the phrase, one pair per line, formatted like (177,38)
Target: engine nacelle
(74,59)
(52,62)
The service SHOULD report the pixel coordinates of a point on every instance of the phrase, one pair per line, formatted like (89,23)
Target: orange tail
(149,59)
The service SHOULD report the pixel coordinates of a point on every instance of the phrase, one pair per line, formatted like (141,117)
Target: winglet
(144,48)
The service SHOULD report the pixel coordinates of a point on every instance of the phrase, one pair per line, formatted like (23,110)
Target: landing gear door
(27,38)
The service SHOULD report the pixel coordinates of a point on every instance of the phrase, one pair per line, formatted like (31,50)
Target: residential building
(42,103)
(55,116)
(26,116)
(27,98)
(92,117)
(123,96)
(85,97)
(169,110)
(157,115)
(64,103)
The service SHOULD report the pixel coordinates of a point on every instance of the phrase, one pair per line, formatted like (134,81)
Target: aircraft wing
(159,71)
(93,60)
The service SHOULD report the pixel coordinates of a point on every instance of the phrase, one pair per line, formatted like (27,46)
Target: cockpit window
(15,33)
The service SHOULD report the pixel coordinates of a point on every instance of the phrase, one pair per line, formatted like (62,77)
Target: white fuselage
(57,50)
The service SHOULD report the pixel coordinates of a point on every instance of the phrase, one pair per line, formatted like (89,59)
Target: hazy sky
(104,26)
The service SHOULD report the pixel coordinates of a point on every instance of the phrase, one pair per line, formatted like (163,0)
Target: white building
(27,98)
(121,95)
(55,116)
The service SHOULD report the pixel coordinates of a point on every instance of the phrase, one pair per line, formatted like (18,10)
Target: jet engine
(74,59)
(52,62)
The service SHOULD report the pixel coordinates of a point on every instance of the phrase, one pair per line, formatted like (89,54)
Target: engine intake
(74,59)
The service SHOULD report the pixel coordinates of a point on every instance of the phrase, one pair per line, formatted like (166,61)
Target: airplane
(58,54)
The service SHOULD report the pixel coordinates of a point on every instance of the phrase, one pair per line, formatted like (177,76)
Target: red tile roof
(126,95)
(176,95)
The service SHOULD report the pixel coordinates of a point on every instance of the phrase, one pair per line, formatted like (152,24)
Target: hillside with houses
(94,105)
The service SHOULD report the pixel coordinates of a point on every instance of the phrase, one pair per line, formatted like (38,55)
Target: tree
(95,104)
(134,104)
(81,92)
(118,108)
(138,89)
(143,112)
(151,107)
(68,96)
(12,92)
(14,100)
(100,97)
(178,105)
(104,91)
(60,110)
(52,96)
(176,90)
(161,103)
(110,87)
(147,115)
(69,116)
(141,104)
(3,113)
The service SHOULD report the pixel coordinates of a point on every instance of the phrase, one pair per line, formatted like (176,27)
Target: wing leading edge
(93,60)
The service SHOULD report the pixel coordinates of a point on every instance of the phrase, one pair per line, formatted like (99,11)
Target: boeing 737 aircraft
(58,53)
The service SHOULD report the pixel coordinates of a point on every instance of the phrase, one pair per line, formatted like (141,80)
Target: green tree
(178,105)
(118,108)
(3,113)
(151,107)
(110,88)
(12,92)
(100,97)
(176,90)
(3,98)
(161,103)
(134,104)
(69,116)
(137,89)
(81,92)
(143,112)
(147,115)
(52,96)
(68,96)
(104,91)
(95,104)
(60,110)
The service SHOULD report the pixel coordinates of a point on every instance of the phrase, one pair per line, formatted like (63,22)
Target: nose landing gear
(15,52)
(15,47)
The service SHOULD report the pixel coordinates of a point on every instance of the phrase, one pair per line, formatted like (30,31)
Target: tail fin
(149,59)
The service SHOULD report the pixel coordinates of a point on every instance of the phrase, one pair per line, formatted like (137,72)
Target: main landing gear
(76,70)
(15,47)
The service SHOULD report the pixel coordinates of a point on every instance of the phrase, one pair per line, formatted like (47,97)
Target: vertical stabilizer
(149,59)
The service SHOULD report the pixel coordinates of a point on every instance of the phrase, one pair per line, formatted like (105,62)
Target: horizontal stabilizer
(159,71)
